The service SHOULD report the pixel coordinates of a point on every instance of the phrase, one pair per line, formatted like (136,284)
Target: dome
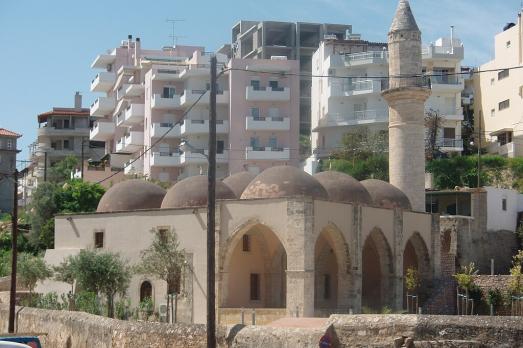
(284,181)
(192,192)
(131,195)
(386,195)
(238,182)
(343,188)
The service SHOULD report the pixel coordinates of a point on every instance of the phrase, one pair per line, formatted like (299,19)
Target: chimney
(137,48)
(78,100)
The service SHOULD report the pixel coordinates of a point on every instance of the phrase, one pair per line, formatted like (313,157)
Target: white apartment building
(341,105)
(147,92)
(498,97)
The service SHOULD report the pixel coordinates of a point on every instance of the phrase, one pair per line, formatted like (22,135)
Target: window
(220,146)
(66,124)
(246,243)
(492,112)
(505,138)
(508,44)
(255,113)
(504,105)
(492,81)
(503,74)
(504,204)
(146,291)
(169,92)
(255,84)
(255,287)
(449,133)
(66,144)
(326,286)
(274,86)
(9,144)
(98,240)
(162,234)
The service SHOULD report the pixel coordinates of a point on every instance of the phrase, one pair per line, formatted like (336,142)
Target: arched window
(146,290)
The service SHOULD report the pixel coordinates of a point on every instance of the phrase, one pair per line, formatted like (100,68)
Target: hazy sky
(48,46)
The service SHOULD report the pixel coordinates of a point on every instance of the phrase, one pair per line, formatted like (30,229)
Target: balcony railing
(364,116)
(444,80)
(356,58)
(451,143)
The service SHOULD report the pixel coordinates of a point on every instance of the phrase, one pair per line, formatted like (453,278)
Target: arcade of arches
(255,271)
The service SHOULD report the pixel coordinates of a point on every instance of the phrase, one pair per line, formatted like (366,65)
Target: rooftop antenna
(173,23)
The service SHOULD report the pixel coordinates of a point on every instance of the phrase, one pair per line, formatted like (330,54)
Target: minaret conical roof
(404,19)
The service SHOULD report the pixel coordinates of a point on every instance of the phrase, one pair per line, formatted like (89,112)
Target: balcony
(267,94)
(160,103)
(161,129)
(450,145)
(199,156)
(72,132)
(169,74)
(102,131)
(195,70)
(267,153)
(132,168)
(131,142)
(267,123)
(103,82)
(134,113)
(357,87)
(102,106)
(166,159)
(357,118)
(367,58)
(134,90)
(443,52)
(190,127)
(446,83)
(103,60)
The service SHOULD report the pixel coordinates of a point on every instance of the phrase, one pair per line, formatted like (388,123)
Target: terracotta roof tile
(7,133)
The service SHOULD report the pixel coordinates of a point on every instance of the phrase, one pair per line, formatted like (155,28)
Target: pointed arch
(331,271)
(377,271)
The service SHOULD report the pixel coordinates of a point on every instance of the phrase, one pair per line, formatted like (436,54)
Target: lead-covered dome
(238,182)
(284,181)
(192,192)
(131,195)
(386,195)
(343,188)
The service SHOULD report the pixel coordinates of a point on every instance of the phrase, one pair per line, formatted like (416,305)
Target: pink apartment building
(146,92)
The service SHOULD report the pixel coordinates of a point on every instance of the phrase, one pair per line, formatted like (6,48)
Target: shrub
(88,302)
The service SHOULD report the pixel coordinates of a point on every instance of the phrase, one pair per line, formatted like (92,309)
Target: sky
(48,46)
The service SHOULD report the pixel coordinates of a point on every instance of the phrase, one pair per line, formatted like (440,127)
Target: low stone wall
(82,330)
(232,316)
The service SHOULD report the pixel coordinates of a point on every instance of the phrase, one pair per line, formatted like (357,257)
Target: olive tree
(32,269)
(165,260)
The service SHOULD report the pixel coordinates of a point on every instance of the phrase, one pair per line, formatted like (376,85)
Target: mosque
(286,242)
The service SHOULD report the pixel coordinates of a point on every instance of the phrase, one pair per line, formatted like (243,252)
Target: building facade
(152,101)
(296,41)
(62,132)
(287,243)
(8,151)
(344,105)
(498,98)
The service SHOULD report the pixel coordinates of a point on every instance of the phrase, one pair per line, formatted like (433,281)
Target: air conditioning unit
(278,57)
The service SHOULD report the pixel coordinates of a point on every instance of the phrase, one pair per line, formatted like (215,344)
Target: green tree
(66,272)
(465,277)
(102,273)
(374,167)
(516,273)
(49,199)
(412,281)
(62,170)
(30,270)
(165,260)
(433,124)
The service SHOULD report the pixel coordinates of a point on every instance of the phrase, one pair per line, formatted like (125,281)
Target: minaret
(406,97)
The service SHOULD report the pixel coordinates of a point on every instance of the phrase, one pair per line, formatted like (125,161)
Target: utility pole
(45,166)
(211,207)
(82,160)
(14,251)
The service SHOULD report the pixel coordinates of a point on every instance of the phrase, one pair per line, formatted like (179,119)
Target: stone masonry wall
(81,330)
